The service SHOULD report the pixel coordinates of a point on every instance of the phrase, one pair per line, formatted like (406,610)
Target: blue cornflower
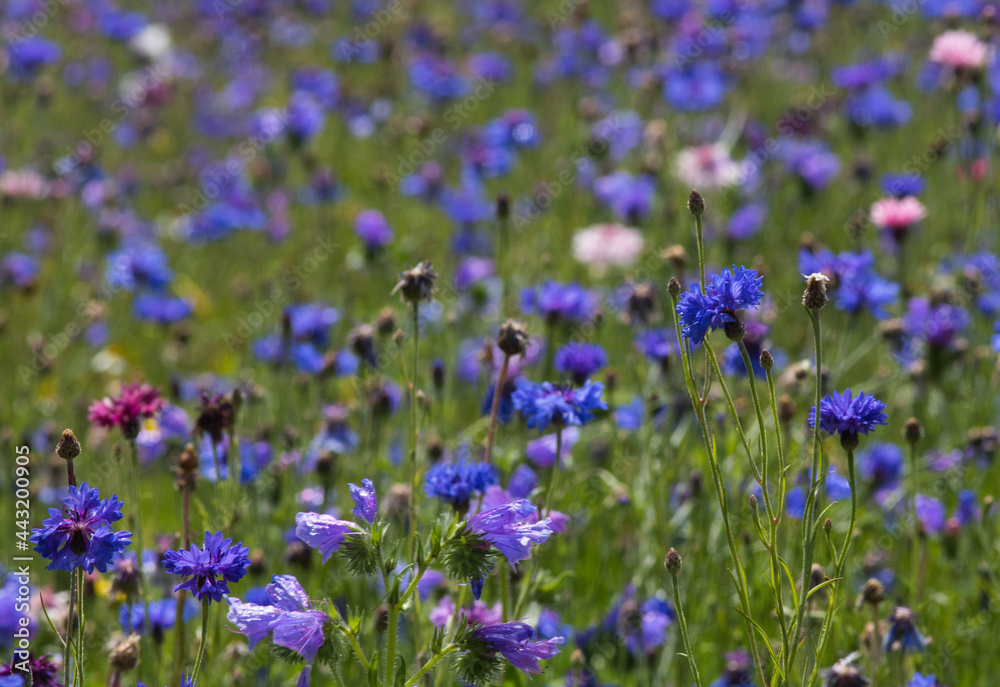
(656,344)
(517,644)
(902,185)
(882,465)
(19,269)
(160,308)
(26,57)
(305,117)
(80,535)
(968,510)
(930,514)
(731,290)
(455,482)
(877,107)
(210,568)
(580,360)
(162,616)
(841,413)
(903,634)
(557,302)
(509,529)
(546,403)
(746,221)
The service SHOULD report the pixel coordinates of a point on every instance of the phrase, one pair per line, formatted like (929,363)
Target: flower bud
(125,655)
(912,431)
(814,297)
(512,338)
(872,592)
(673,287)
(672,561)
(68,447)
(696,203)
(417,283)
(766,359)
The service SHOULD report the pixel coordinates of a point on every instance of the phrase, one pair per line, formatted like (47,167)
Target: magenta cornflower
(126,411)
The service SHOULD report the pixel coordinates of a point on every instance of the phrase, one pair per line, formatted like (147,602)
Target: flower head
(903,634)
(324,533)
(897,214)
(44,673)
(849,415)
(210,568)
(289,619)
(134,403)
(503,526)
(79,534)
(557,302)
(546,403)
(417,284)
(959,50)
(365,500)
(703,311)
(844,673)
(457,481)
(515,642)
(607,245)
(580,360)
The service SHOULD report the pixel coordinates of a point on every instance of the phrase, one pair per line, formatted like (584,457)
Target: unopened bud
(512,338)
(673,287)
(766,359)
(814,297)
(672,561)
(68,447)
(873,592)
(912,430)
(696,203)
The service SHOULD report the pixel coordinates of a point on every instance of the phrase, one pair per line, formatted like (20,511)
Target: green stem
(204,640)
(80,627)
(430,664)
(71,643)
(554,477)
(838,573)
(354,645)
(808,517)
(682,624)
(495,407)
(914,486)
(390,650)
(413,431)
(701,250)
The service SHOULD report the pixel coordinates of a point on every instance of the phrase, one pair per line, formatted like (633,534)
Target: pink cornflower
(708,166)
(134,403)
(959,50)
(607,245)
(24,183)
(897,214)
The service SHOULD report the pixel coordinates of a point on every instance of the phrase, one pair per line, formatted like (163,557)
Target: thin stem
(204,640)
(808,517)
(80,626)
(912,505)
(414,431)
(701,249)
(430,664)
(682,625)
(390,650)
(179,644)
(354,645)
(555,475)
(495,406)
(838,573)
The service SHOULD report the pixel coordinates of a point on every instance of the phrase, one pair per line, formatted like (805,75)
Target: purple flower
(29,55)
(546,403)
(324,533)
(930,514)
(305,117)
(161,309)
(289,618)
(656,344)
(210,568)
(938,325)
(903,634)
(542,451)
(580,360)
(514,641)
(134,403)
(968,510)
(847,415)
(366,503)
(44,673)
(79,534)
(503,527)
(882,465)
(902,185)
(373,229)
(746,221)
(557,302)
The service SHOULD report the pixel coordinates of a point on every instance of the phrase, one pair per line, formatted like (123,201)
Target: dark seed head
(68,447)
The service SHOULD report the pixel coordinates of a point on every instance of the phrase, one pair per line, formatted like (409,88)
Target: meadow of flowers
(495,342)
